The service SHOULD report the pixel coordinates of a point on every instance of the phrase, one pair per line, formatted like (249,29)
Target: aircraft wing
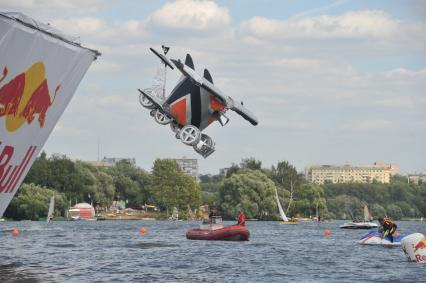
(230,103)
(153,99)
(162,58)
(244,112)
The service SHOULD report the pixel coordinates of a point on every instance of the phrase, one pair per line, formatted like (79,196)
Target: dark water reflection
(108,251)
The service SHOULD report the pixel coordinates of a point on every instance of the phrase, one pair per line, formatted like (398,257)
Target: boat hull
(359,225)
(230,233)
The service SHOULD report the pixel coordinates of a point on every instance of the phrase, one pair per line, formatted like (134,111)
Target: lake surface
(115,251)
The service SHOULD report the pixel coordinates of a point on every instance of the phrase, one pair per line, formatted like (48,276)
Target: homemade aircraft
(192,105)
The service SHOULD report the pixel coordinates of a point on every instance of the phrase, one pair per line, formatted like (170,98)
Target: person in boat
(388,227)
(241,219)
(213,212)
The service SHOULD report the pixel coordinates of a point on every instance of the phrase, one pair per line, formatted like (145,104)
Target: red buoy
(143,230)
(15,232)
(327,232)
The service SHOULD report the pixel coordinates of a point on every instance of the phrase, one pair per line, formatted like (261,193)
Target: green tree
(131,184)
(251,163)
(170,187)
(251,191)
(286,177)
(394,211)
(377,210)
(32,203)
(307,198)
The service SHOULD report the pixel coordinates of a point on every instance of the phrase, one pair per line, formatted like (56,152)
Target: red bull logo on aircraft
(25,96)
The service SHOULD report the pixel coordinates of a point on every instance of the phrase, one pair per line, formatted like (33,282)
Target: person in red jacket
(241,219)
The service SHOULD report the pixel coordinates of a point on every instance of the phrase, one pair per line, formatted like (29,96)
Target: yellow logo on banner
(25,96)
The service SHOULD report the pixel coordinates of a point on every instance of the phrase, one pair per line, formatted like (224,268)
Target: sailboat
(366,224)
(175,214)
(191,214)
(317,217)
(282,214)
(51,208)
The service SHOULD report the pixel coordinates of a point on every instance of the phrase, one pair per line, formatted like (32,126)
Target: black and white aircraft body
(193,104)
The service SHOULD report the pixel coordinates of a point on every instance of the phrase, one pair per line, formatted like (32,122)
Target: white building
(189,166)
(379,172)
(417,178)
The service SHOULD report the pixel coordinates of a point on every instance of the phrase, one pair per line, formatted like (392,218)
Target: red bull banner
(40,70)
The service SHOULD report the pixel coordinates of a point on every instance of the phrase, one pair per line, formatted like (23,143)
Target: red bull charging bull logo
(420,245)
(25,96)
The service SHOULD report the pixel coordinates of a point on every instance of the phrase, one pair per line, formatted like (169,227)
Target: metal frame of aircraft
(193,104)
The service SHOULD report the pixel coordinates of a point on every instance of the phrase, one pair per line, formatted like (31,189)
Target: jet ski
(375,238)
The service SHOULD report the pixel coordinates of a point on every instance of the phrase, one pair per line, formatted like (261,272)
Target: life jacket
(387,223)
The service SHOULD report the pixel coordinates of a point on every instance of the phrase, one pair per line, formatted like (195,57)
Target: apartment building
(379,172)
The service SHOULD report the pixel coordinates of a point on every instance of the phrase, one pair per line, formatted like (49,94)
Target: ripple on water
(10,272)
(151,245)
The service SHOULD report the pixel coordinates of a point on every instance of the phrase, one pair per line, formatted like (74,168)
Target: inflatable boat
(375,238)
(215,231)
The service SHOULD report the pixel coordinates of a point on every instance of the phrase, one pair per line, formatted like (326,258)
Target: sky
(331,82)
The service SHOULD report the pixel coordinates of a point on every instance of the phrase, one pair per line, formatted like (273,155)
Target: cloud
(95,29)
(46,9)
(370,125)
(370,29)
(195,15)
(358,24)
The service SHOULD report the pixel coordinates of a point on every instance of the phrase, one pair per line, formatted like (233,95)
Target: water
(115,251)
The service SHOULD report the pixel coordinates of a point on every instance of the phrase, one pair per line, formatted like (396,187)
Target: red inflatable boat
(216,232)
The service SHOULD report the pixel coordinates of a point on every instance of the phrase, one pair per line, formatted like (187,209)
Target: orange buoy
(143,230)
(327,232)
(15,232)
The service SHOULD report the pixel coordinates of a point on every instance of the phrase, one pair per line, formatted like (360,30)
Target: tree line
(246,186)
(250,187)
(166,186)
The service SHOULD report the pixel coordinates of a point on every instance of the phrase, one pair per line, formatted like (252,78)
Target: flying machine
(193,104)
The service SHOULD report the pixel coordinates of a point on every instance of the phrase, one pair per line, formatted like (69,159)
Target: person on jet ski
(388,227)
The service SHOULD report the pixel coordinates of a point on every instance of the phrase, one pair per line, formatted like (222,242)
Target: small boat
(375,238)
(81,211)
(282,214)
(366,224)
(175,214)
(51,209)
(215,231)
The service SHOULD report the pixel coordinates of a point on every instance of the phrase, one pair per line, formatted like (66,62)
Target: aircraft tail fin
(189,62)
(207,75)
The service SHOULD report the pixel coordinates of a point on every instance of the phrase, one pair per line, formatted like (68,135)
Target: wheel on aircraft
(190,135)
(205,146)
(161,118)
